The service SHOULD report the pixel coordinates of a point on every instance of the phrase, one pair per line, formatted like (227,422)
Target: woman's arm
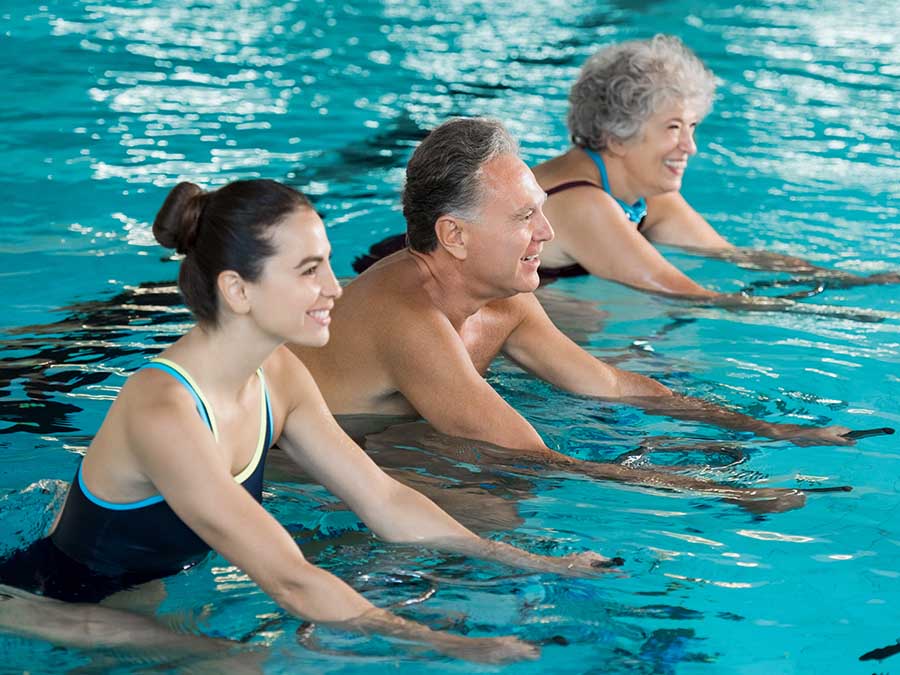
(177,454)
(672,221)
(593,230)
(393,511)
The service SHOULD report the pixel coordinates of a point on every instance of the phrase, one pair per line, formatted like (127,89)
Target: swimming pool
(108,104)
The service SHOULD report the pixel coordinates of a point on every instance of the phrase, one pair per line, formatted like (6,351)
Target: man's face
(506,238)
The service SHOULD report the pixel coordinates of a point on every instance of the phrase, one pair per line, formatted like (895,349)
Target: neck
(621,185)
(455,293)
(223,359)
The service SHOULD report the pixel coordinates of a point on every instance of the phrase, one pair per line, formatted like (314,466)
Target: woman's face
(293,297)
(657,158)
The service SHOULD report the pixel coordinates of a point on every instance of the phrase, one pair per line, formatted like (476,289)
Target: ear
(234,291)
(452,234)
(616,147)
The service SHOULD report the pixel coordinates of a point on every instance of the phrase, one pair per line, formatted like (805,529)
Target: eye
(310,271)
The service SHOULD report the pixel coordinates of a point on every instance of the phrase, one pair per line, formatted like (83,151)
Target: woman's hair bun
(178,222)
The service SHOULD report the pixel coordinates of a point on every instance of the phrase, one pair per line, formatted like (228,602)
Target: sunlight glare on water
(109,104)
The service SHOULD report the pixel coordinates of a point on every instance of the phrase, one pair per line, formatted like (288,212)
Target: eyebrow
(531,207)
(309,259)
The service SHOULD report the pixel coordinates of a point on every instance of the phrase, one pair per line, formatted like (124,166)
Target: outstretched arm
(599,237)
(200,489)
(672,221)
(538,346)
(393,511)
(603,241)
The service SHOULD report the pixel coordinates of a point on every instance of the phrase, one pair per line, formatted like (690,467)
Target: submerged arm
(395,512)
(672,221)
(540,347)
(200,489)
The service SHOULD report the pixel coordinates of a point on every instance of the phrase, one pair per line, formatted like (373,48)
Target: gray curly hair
(623,85)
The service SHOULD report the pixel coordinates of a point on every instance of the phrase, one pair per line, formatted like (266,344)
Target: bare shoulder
(513,310)
(286,376)
(665,204)
(584,208)
(152,399)
(393,281)
(390,295)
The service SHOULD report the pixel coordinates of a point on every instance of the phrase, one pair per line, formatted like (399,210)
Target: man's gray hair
(623,85)
(443,176)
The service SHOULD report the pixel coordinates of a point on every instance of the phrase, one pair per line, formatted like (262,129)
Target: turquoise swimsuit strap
(181,376)
(634,212)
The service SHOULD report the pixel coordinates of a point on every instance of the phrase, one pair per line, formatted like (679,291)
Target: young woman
(176,467)
(616,192)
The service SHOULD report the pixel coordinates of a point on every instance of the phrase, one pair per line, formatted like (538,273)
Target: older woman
(616,192)
(175,470)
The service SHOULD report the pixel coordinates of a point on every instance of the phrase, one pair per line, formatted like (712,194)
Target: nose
(330,286)
(686,141)
(543,230)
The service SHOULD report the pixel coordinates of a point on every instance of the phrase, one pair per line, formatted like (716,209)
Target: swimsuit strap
(264,439)
(182,376)
(634,212)
(265,431)
(572,184)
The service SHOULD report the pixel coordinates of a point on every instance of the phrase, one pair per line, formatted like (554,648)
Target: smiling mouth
(676,164)
(530,258)
(322,316)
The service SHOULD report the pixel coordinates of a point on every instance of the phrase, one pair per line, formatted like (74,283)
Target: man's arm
(433,370)
(430,366)
(394,512)
(538,346)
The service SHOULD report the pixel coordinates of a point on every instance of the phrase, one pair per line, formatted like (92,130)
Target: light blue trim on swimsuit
(634,212)
(110,505)
(201,408)
(149,501)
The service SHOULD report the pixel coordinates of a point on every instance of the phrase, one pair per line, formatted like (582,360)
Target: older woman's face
(657,158)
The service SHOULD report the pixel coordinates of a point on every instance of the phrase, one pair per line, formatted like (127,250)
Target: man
(415,333)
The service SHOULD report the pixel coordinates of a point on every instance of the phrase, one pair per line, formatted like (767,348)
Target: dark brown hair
(224,229)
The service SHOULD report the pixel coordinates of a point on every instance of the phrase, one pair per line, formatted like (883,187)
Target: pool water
(108,104)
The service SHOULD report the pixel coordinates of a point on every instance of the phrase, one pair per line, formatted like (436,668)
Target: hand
(750,302)
(883,278)
(769,500)
(486,650)
(586,564)
(802,435)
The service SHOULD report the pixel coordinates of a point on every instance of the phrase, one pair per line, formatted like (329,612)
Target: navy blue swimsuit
(100,547)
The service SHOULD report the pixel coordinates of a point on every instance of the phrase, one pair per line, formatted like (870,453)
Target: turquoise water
(107,105)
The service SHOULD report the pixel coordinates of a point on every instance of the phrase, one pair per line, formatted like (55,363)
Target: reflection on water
(110,103)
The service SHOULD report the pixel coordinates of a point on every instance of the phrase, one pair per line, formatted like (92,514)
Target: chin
(317,340)
(529,285)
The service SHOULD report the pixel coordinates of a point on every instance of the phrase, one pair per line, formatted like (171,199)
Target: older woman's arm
(672,221)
